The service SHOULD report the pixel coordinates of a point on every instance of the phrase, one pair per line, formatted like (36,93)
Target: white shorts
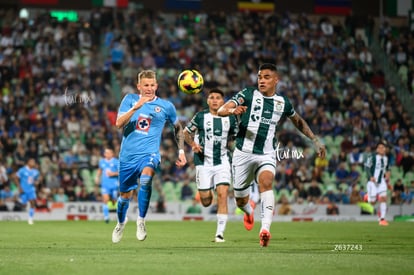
(374,190)
(246,167)
(208,177)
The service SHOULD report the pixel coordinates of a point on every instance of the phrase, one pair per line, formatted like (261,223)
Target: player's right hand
(197,148)
(240,110)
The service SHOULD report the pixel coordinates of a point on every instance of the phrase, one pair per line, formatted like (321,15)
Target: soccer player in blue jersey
(142,118)
(27,178)
(208,135)
(107,176)
(260,109)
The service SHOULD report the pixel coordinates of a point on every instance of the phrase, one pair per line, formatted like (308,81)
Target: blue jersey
(27,178)
(142,135)
(111,165)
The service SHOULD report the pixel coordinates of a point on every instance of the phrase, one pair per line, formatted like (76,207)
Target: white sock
(221,224)
(267,202)
(383,209)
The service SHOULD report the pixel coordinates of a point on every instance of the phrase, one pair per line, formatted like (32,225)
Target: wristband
(181,151)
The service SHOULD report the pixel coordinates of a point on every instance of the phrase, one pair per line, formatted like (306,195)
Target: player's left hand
(181,161)
(320,148)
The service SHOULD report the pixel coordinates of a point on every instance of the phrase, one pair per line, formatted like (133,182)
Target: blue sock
(144,194)
(105,210)
(122,209)
(31,212)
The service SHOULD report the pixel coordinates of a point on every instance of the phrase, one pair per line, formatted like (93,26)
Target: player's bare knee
(206,201)
(242,201)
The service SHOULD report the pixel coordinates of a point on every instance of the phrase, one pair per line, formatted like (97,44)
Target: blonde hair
(146,74)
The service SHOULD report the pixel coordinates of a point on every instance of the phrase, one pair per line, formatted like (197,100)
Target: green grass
(81,247)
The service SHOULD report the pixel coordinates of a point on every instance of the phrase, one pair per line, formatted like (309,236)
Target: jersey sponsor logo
(268,121)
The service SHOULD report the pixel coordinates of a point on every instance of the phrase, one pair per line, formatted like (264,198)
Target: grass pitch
(85,247)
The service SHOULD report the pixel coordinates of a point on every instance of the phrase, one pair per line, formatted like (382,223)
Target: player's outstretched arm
(302,126)
(189,139)
(230,108)
(179,139)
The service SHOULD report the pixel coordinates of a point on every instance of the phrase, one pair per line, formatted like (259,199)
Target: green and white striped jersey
(376,166)
(212,133)
(258,125)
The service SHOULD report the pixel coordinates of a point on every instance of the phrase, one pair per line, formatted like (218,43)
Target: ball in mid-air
(190,82)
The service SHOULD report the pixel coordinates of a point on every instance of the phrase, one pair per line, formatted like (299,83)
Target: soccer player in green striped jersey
(260,109)
(208,135)
(376,166)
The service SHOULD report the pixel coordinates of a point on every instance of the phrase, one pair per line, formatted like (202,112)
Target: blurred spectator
(186,191)
(407,162)
(408,195)
(314,192)
(195,207)
(342,174)
(355,196)
(60,196)
(356,156)
(284,208)
(160,206)
(354,175)
(397,192)
(333,163)
(331,207)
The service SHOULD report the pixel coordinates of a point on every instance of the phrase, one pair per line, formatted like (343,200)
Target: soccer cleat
(249,219)
(119,231)
(219,239)
(383,223)
(264,237)
(141,230)
(30,221)
(107,220)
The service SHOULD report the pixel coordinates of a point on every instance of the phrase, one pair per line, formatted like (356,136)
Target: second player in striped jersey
(208,135)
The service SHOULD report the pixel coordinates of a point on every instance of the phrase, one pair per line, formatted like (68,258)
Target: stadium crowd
(59,83)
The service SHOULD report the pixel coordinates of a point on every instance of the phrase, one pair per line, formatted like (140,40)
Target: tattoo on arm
(188,137)
(179,135)
(302,126)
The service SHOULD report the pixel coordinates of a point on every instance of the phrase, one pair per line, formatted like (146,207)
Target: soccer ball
(190,82)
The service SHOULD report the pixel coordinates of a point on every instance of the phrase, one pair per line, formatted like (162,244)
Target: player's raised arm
(124,118)
(302,126)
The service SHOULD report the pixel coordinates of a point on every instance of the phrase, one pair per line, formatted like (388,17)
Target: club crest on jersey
(279,106)
(157,109)
(143,124)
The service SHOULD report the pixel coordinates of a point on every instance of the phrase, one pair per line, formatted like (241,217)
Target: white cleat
(141,230)
(219,239)
(30,221)
(119,231)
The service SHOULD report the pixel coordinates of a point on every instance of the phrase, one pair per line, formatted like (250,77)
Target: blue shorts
(111,190)
(129,174)
(28,195)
